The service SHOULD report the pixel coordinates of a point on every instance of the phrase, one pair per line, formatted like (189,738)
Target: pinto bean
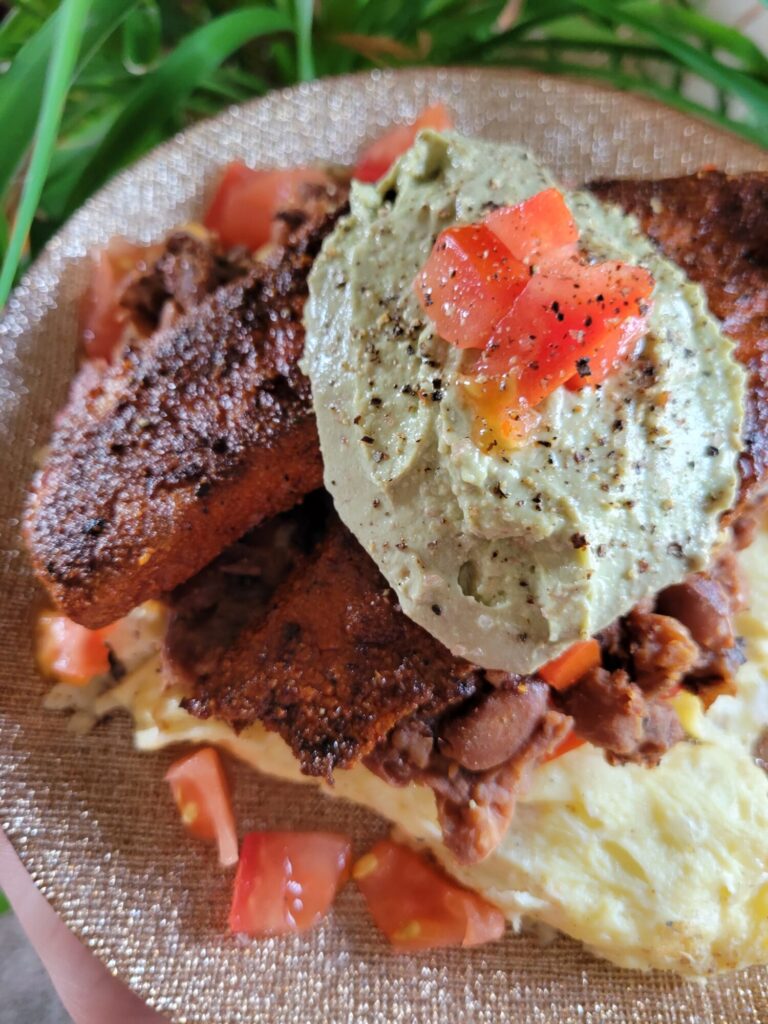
(495,728)
(612,712)
(702,605)
(662,651)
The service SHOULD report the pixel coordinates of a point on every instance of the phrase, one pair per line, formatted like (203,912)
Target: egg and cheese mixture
(663,868)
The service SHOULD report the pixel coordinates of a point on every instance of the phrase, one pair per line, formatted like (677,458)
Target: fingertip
(90,994)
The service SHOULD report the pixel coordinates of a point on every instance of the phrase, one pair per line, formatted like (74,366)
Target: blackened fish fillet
(188,440)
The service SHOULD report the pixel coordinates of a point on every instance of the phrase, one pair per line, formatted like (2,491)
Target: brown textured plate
(91,818)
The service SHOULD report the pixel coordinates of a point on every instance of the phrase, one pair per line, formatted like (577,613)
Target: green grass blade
(22,86)
(304,56)
(166,88)
(5,234)
(229,89)
(713,33)
(612,48)
(142,37)
(5,906)
(754,93)
(540,14)
(67,164)
(148,67)
(450,32)
(16,28)
(63,58)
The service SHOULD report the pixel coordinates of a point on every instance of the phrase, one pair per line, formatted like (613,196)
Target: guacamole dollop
(508,557)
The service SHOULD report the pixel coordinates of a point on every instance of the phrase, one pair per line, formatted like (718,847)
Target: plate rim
(319,85)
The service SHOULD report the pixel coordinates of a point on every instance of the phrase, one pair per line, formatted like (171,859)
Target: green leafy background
(89,85)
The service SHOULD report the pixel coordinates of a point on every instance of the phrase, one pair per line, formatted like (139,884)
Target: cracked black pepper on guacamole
(508,557)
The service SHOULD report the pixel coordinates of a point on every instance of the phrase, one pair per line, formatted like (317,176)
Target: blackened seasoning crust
(190,438)
(235,591)
(190,266)
(335,663)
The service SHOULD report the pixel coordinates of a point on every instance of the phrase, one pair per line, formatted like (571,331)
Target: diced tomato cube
(537,228)
(102,319)
(617,346)
(287,881)
(245,203)
(562,320)
(201,792)
(515,287)
(571,665)
(468,283)
(571,742)
(376,159)
(69,651)
(417,906)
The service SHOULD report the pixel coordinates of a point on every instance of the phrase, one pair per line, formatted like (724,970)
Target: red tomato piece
(102,320)
(245,202)
(468,283)
(537,228)
(69,651)
(571,742)
(571,665)
(287,881)
(618,346)
(376,159)
(562,320)
(417,906)
(201,792)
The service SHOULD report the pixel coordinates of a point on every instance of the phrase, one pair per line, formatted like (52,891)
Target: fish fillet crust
(190,438)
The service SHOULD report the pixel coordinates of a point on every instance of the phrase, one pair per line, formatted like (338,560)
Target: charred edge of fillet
(189,439)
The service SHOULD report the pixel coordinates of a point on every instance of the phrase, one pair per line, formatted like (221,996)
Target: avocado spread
(510,556)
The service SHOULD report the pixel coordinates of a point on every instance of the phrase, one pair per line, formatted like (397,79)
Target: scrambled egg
(666,868)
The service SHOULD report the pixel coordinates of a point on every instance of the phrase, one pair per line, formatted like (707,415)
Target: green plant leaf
(753,92)
(18,25)
(64,54)
(148,67)
(169,85)
(713,33)
(304,58)
(68,162)
(5,906)
(22,86)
